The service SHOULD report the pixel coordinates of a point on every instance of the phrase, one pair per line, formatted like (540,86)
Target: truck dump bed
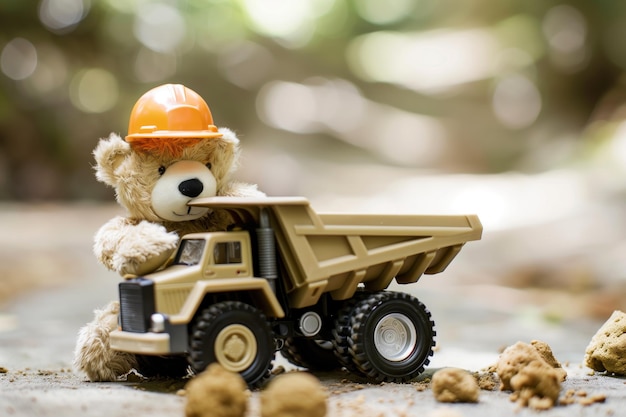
(336,252)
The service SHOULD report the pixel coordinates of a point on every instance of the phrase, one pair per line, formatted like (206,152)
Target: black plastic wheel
(237,336)
(313,354)
(162,366)
(392,337)
(342,331)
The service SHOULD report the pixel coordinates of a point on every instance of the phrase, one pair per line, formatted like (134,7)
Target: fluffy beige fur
(93,344)
(142,241)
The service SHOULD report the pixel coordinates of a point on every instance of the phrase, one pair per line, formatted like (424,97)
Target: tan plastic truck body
(316,254)
(336,252)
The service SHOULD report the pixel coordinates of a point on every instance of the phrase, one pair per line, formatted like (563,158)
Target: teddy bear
(172,154)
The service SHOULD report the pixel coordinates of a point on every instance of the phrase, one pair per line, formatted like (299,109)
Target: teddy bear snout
(191,188)
(182,181)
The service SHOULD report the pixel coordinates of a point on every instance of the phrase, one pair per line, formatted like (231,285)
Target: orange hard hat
(171,111)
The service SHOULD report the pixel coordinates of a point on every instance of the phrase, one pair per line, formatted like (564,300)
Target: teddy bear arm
(128,247)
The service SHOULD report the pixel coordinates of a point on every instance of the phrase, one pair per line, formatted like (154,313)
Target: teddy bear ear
(109,154)
(226,154)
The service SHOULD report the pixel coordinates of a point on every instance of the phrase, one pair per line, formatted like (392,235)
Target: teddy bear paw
(93,354)
(144,249)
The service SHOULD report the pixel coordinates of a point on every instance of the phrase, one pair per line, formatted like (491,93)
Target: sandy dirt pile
(486,381)
(294,394)
(607,349)
(532,373)
(216,392)
(454,385)
(546,353)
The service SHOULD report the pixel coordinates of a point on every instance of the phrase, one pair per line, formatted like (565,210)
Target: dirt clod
(523,370)
(294,394)
(452,385)
(216,392)
(546,353)
(486,381)
(606,350)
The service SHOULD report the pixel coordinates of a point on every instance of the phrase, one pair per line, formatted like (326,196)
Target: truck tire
(235,335)
(342,331)
(313,354)
(392,337)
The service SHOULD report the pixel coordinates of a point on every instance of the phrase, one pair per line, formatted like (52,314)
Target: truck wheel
(342,331)
(313,354)
(235,335)
(392,337)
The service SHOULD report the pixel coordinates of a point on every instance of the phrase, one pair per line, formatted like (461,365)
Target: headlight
(157,322)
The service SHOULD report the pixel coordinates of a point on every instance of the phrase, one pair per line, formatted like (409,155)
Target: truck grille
(136,304)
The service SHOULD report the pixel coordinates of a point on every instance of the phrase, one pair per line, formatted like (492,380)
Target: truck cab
(216,254)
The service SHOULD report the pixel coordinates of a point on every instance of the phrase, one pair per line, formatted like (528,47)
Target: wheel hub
(395,337)
(235,347)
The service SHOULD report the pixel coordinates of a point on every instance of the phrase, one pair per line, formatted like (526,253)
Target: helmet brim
(164,134)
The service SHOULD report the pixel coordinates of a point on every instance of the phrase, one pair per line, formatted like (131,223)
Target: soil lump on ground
(294,394)
(453,385)
(216,392)
(607,349)
(534,382)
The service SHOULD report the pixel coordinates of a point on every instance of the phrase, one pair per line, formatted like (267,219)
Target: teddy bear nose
(191,188)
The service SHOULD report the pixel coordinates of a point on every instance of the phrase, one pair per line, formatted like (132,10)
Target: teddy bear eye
(208,165)
(161,170)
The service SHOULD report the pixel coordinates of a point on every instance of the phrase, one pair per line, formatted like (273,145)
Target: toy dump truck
(286,278)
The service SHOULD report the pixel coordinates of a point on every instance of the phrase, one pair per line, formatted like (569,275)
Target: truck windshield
(190,252)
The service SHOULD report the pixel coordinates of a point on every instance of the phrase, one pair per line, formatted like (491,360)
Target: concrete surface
(474,318)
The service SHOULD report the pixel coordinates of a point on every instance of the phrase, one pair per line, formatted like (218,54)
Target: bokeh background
(479,87)
(511,109)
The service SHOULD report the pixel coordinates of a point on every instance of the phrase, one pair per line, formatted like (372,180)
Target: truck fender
(258,288)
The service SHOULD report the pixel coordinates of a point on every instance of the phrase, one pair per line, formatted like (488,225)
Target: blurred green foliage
(474,86)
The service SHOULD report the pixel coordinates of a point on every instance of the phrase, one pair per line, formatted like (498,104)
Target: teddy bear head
(157,186)
(172,154)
